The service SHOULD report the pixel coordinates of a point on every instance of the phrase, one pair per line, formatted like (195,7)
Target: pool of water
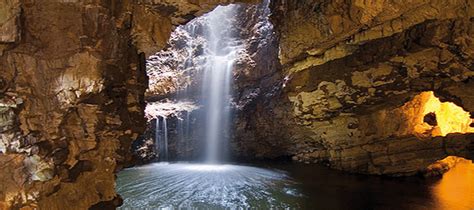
(288,186)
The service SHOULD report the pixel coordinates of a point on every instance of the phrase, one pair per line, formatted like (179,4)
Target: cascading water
(217,80)
(165,138)
(161,137)
(201,63)
(157,134)
(210,50)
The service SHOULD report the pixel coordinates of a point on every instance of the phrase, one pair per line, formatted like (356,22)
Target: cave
(236,104)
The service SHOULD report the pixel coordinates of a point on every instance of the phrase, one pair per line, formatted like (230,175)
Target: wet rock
(348,70)
(442,166)
(72,86)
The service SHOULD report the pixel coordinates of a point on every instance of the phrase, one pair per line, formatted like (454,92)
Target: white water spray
(217,80)
(161,138)
(211,50)
(165,137)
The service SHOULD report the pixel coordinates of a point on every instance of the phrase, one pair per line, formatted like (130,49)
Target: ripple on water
(182,185)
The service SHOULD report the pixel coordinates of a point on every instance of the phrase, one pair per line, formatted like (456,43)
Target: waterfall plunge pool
(288,186)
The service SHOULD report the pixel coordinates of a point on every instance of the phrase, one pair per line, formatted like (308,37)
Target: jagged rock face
(72,85)
(370,50)
(69,109)
(258,89)
(348,68)
(178,67)
(155,20)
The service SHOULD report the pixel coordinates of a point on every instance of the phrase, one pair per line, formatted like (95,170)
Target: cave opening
(439,118)
(447,118)
(429,118)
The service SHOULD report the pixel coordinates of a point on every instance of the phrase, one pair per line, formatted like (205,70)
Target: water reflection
(290,186)
(456,189)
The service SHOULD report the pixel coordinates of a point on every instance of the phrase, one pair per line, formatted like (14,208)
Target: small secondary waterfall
(165,138)
(217,80)
(161,138)
(157,134)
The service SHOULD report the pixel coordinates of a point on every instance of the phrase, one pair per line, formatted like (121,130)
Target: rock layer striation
(72,85)
(350,70)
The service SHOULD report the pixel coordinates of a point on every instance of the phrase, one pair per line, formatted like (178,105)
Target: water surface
(288,186)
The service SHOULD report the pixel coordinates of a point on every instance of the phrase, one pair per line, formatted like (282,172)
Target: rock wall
(348,69)
(72,85)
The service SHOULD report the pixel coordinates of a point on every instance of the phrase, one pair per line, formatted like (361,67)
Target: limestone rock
(9,21)
(72,84)
(349,67)
(155,20)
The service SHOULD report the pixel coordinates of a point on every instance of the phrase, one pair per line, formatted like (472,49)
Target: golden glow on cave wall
(428,116)
(450,117)
(454,189)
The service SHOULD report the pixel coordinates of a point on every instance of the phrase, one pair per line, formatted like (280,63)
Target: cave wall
(348,69)
(72,83)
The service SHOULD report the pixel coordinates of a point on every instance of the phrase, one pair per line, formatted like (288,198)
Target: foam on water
(183,185)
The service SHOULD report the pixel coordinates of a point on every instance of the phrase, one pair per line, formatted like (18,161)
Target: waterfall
(165,139)
(187,132)
(217,80)
(161,138)
(209,50)
(157,135)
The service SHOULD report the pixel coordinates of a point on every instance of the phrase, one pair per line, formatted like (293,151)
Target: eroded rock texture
(72,97)
(348,69)
(154,20)
(72,83)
